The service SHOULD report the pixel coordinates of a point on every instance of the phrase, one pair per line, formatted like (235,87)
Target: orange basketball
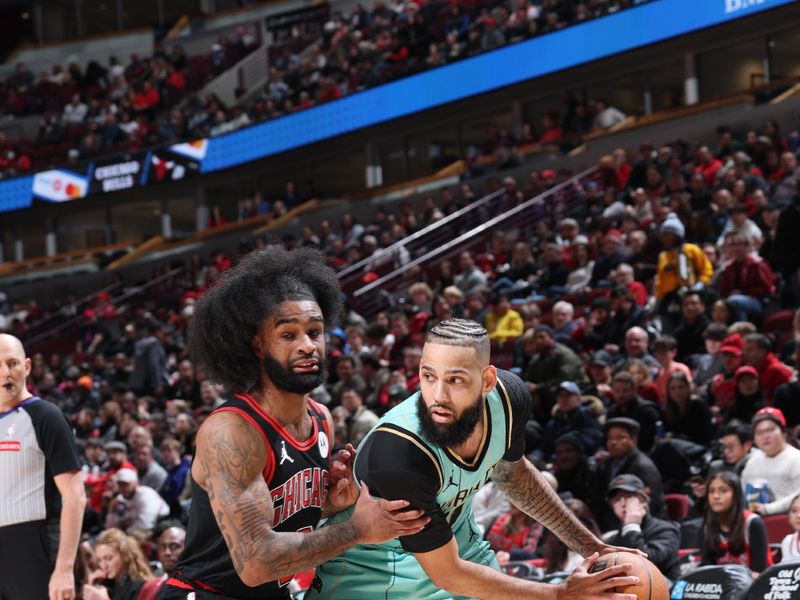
(652,584)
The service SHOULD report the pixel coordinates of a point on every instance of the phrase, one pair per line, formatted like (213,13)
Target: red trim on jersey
(325,424)
(205,586)
(269,470)
(302,446)
(178,584)
(187,586)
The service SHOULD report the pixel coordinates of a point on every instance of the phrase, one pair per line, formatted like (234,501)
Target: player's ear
(257,345)
(489,379)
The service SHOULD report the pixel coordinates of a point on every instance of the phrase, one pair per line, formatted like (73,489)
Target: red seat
(684,552)
(597,293)
(778,323)
(503,361)
(539,563)
(677,506)
(777,527)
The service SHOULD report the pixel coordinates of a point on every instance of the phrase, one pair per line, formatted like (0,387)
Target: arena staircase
(373,284)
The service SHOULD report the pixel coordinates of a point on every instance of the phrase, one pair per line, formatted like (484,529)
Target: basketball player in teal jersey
(436,450)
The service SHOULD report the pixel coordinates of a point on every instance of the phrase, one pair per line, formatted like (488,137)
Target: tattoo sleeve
(230,460)
(528,490)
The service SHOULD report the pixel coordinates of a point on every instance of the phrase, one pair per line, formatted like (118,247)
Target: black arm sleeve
(55,437)
(396,467)
(520,407)
(759,545)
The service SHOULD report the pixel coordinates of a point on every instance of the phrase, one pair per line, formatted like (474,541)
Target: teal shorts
(387,572)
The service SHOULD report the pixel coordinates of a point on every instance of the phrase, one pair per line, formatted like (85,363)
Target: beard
(455,433)
(287,380)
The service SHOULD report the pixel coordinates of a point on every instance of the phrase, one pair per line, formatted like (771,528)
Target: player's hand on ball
(379,521)
(604,549)
(582,585)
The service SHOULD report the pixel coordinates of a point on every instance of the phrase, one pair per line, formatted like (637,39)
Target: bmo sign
(733,6)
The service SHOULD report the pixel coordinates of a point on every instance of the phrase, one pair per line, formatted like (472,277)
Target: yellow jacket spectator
(680,265)
(504,322)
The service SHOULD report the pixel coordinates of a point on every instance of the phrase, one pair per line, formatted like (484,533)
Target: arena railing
(550,206)
(428,237)
(61,337)
(67,311)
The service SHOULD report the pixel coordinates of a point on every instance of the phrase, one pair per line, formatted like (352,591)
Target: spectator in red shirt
(723,385)
(622,167)
(623,276)
(147,99)
(771,370)
(552,132)
(707,165)
(117,459)
(746,280)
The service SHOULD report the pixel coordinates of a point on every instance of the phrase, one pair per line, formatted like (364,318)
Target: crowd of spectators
(118,107)
(153,100)
(644,326)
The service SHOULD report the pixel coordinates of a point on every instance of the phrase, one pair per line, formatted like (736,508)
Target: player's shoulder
(513,388)
(229,424)
(398,452)
(512,382)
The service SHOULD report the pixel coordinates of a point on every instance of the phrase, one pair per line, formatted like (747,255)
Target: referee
(38,462)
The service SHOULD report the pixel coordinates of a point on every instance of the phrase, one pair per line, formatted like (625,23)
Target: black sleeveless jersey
(297,477)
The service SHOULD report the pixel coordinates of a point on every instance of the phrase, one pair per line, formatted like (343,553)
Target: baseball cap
(744,370)
(771,413)
(572,438)
(398,391)
(114,445)
(630,425)
(601,302)
(732,344)
(625,483)
(601,358)
(569,386)
(126,476)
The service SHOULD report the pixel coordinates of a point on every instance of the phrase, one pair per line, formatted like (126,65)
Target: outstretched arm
(465,578)
(528,490)
(230,460)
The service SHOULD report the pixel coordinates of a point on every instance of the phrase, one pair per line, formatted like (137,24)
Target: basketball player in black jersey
(262,475)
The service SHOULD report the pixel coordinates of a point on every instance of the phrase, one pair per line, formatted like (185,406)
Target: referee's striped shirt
(36,444)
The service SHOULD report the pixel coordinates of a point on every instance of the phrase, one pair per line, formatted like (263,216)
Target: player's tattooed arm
(524,485)
(229,465)
(231,458)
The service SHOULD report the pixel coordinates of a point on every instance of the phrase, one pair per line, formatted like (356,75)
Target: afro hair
(229,316)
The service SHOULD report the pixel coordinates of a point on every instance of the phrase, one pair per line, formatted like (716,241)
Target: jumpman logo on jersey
(473,535)
(451,482)
(284,454)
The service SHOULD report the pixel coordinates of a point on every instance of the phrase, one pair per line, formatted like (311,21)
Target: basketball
(652,584)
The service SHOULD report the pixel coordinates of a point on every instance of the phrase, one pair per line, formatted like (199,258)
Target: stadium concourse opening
(570,326)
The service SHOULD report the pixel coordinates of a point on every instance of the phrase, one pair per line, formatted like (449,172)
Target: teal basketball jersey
(398,462)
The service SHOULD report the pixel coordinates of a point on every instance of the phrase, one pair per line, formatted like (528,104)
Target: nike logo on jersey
(284,454)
